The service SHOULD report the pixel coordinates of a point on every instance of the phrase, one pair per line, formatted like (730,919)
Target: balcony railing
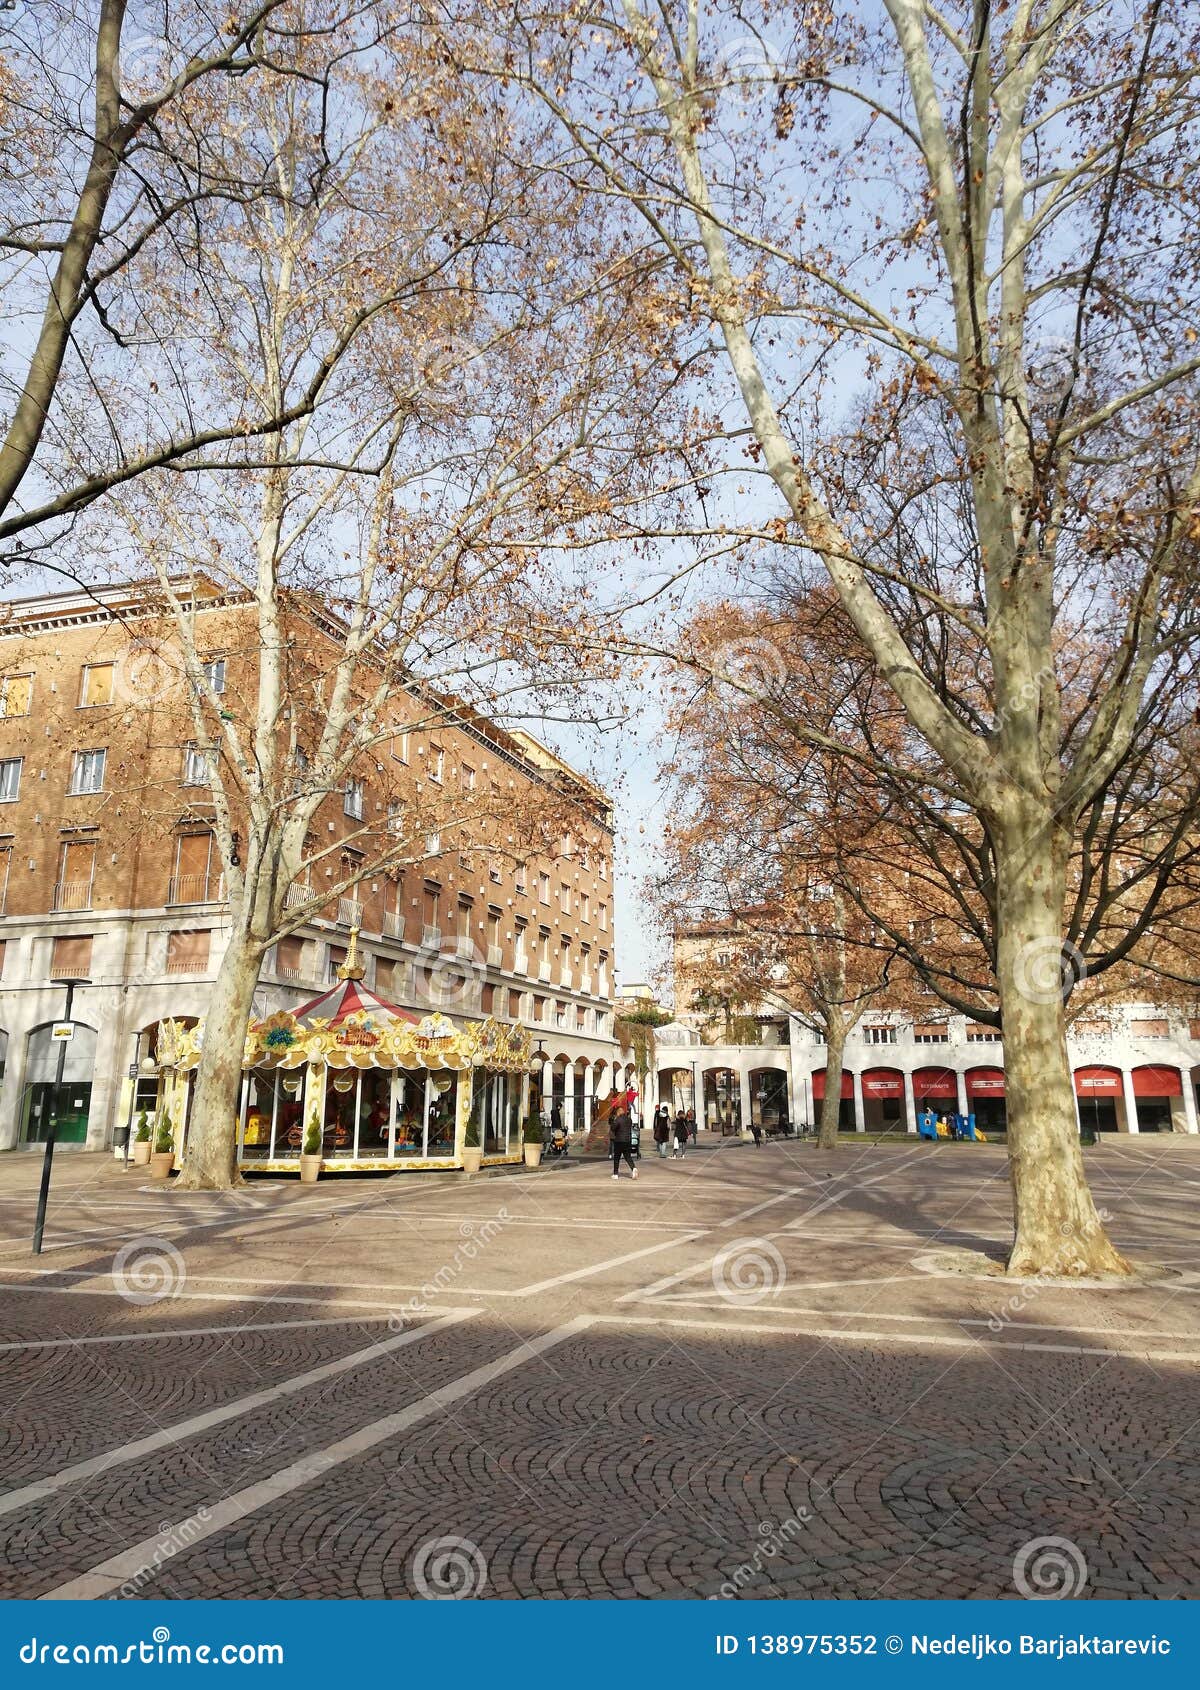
(521,962)
(495,956)
(350,912)
(544,972)
(297,894)
(393,924)
(194,889)
(185,965)
(431,938)
(73,895)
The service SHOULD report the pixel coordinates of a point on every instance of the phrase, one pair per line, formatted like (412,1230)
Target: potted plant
(141,1141)
(310,1154)
(472,1149)
(533,1141)
(162,1158)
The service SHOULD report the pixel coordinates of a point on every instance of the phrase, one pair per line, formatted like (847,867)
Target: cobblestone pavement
(748,1374)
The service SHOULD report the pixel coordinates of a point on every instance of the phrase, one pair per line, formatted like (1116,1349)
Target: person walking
(620,1130)
(662,1129)
(756,1131)
(681,1137)
(693,1126)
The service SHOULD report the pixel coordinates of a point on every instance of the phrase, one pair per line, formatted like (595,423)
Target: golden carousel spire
(353,968)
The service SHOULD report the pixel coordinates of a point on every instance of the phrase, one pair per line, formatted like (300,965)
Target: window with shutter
(71,957)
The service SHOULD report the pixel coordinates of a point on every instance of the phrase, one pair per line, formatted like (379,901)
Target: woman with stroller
(681,1137)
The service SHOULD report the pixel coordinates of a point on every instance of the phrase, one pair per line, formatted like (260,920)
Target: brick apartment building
(109,870)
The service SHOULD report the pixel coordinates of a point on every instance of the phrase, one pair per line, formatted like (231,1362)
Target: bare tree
(992,213)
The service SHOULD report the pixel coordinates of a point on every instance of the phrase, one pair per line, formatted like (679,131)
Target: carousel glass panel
(443,1112)
(410,1114)
(341,1113)
(272,1106)
(489,1111)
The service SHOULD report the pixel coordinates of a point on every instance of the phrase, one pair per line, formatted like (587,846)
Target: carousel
(382,1088)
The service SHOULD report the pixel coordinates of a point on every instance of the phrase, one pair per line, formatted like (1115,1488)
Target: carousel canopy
(346,998)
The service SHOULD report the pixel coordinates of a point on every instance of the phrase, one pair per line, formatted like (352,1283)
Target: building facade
(1136,1069)
(110,875)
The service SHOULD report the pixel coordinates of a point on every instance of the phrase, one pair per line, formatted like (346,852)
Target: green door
(67,1104)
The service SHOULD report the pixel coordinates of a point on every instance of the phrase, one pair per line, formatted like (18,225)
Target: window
(336,957)
(543,888)
(10,779)
(602,917)
(16,692)
(87,772)
(543,949)
(399,747)
(465,908)
(936,1033)
(1149,1029)
(499,1000)
(352,801)
(978,1034)
(494,870)
(385,976)
(437,763)
(522,881)
(585,907)
(3,951)
(199,764)
(493,936)
(214,674)
(560,1015)
(521,956)
(289,957)
(395,818)
(432,915)
(187,950)
(564,899)
(76,870)
(71,958)
(602,865)
(879,1035)
(433,843)
(468,778)
(197,878)
(5,865)
(97,685)
(564,963)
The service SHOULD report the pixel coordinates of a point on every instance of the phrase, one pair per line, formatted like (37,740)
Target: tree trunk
(831,1104)
(1059,1231)
(211,1160)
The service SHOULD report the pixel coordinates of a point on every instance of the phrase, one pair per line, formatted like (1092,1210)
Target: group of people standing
(675,1133)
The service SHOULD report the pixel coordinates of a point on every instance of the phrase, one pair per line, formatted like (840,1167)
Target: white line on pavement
(219,1516)
(168,1435)
(883,1339)
(599,1267)
(188,1332)
(767,1306)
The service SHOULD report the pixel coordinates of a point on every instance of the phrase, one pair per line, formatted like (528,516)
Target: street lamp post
(64,1037)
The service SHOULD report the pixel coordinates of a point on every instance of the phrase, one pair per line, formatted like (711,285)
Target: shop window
(188,950)
(16,694)
(43,1099)
(97,685)
(71,957)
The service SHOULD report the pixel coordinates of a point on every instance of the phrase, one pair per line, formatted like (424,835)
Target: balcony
(495,956)
(393,924)
(544,972)
(349,912)
(585,985)
(431,938)
(191,889)
(73,895)
(297,894)
(521,962)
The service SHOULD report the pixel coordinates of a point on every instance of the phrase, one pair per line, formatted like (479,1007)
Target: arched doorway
(846,1121)
(935,1089)
(1101,1094)
(722,1101)
(1159,1094)
(985,1098)
(883,1099)
(69,1105)
(769,1099)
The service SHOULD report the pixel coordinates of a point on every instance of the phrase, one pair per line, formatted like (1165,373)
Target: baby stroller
(557,1144)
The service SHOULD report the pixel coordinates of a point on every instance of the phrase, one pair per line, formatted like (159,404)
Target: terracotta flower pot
(533,1155)
(310,1168)
(140,1152)
(472,1158)
(161,1163)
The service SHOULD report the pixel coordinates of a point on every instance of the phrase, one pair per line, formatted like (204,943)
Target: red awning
(1157,1082)
(818,1084)
(985,1082)
(934,1082)
(883,1082)
(1098,1082)
(347,997)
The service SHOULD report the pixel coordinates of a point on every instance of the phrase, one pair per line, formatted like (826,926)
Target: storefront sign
(62,1032)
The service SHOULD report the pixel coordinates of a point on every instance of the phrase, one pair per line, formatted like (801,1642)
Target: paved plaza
(746,1374)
